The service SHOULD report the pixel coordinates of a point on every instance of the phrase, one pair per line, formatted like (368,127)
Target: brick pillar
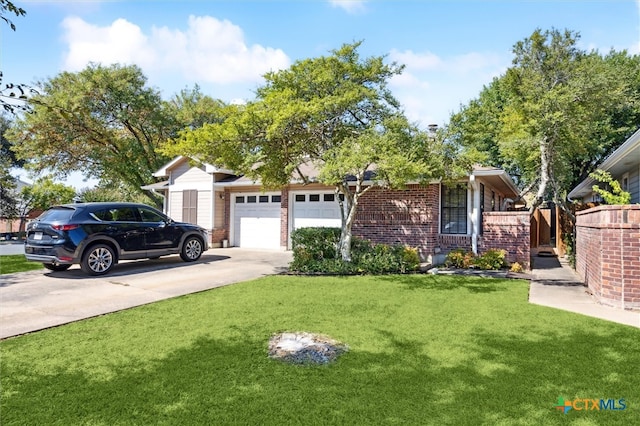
(608,253)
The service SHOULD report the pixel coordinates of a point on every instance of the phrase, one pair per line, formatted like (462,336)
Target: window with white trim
(453,209)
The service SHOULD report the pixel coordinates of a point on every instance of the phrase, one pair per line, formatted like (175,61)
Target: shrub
(459,258)
(491,259)
(516,267)
(382,258)
(570,245)
(313,245)
(315,251)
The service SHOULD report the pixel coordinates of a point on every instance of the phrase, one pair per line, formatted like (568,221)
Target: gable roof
(627,154)
(496,177)
(164,170)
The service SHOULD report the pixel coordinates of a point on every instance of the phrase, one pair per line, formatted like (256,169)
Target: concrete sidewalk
(556,285)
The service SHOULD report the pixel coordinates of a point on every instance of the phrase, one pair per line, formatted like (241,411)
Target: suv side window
(148,215)
(122,214)
(103,215)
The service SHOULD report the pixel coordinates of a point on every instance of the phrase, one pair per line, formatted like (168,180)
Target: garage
(256,220)
(315,209)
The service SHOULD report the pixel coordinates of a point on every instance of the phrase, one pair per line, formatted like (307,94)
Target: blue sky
(450,48)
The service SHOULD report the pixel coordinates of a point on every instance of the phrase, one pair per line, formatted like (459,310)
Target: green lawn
(423,350)
(17,263)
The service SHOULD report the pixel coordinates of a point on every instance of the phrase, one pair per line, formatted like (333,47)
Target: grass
(423,350)
(17,263)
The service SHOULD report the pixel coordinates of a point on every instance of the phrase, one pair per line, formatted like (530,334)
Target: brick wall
(608,253)
(510,231)
(407,216)
(217,235)
(448,242)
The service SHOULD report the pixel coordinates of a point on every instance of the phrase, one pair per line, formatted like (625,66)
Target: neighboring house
(434,218)
(623,165)
(12,225)
(607,248)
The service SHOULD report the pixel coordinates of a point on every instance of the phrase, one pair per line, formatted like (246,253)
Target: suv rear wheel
(57,268)
(191,249)
(98,259)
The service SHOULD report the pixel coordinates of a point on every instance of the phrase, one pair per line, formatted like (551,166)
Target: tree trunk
(545,165)
(347,223)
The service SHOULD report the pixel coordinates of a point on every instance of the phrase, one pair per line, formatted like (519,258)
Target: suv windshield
(57,214)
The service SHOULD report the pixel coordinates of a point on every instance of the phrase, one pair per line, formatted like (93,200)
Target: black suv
(98,235)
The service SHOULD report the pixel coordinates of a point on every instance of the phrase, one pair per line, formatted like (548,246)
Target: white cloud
(432,87)
(350,6)
(416,61)
(208,51)
(120,42)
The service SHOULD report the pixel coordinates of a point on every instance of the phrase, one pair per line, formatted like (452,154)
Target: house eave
(498,178)
(629,148)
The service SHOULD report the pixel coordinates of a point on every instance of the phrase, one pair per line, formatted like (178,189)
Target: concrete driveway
(31,301)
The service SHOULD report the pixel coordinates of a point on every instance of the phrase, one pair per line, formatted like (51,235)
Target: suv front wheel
(191,249)
(98,259)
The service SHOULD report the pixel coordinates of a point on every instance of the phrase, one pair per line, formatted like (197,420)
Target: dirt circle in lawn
(304,348)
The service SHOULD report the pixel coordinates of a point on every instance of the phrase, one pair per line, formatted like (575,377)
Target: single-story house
(623,165)
(433,217)
(608,236)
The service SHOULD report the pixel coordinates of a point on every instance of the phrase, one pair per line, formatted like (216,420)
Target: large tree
(102,121)
(334,113)
(41,195)
(554,114)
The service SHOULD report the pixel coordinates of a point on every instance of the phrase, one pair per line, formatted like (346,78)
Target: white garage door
(314,209)
(256,220)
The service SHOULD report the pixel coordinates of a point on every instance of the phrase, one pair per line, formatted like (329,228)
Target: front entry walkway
(555,284)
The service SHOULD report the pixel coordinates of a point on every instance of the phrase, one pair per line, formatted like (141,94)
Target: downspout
(212,213)
(164,200)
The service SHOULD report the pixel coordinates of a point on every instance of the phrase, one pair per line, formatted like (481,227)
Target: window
(301,197)
(329,197)
(121,214)
(263,199)
(240,199)
(190,206)
(453,215)
(276,198)
(624,184)
(314,197)
(150,216)
(251,199)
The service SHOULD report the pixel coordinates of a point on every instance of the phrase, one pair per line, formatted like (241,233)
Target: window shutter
(190,206)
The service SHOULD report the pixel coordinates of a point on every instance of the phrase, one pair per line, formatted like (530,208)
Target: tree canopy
(333,113)
(555,113)
(102,121)
(43,194)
